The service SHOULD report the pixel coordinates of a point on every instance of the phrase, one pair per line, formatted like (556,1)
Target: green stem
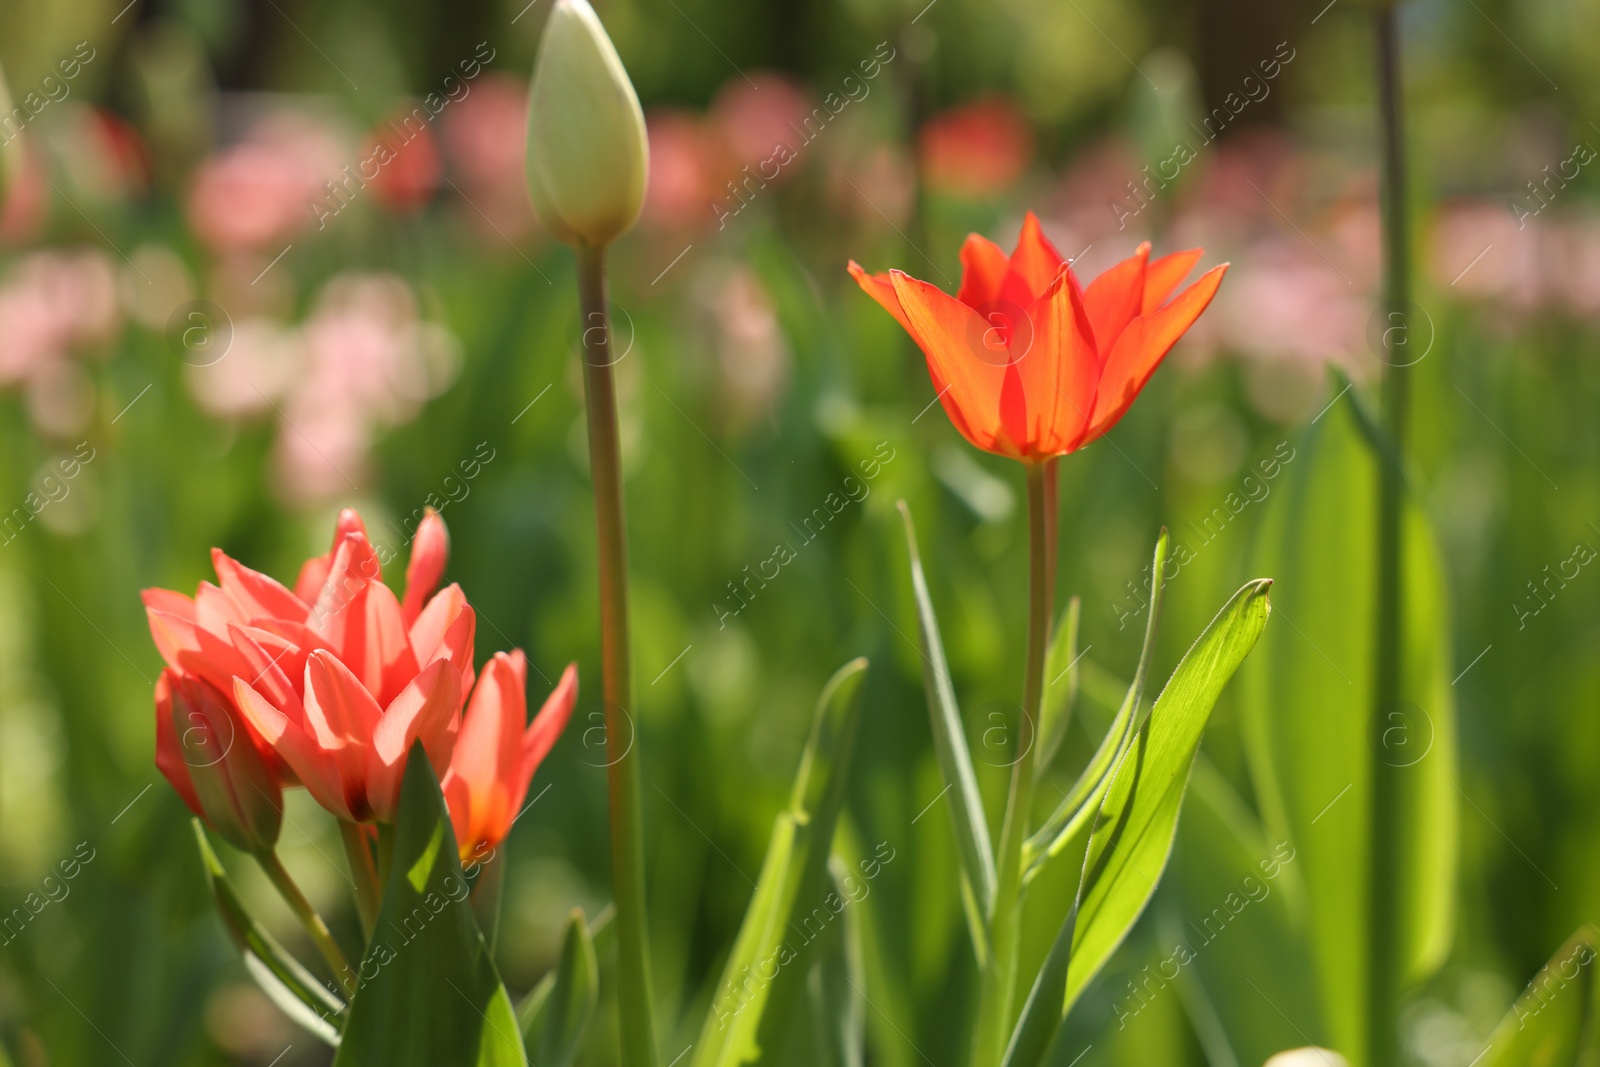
(999,982)
(321,936)
(369,891)
(1385,963)
(627,837)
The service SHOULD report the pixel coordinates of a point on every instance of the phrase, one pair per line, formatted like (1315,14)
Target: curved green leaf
(1132,836)
(1546,1026)
(1082,800)
(288,984)
(955,761)
(793,903)
(428,993)
(554,1030)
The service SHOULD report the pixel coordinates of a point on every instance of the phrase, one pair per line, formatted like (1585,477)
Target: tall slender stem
(1385,963)
(999,982)
(627,837)
(321,936)
(369,891)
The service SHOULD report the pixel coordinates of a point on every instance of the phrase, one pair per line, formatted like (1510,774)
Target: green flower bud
(588,157)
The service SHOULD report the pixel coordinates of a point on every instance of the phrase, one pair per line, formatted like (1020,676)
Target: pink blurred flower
(687,169)
(260,191)
(976,149)
(55,304)
(485,136)
(756,114)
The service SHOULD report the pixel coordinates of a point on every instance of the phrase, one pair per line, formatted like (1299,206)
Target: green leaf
(1061,684)
(556,1024)
(530,1009)
(428,992)
(752,1003)
(1082,800)
(288,984)
(1306,714)
(1042,1014)
(1546,1025)
(837,980)
(955,761)
(1133,832)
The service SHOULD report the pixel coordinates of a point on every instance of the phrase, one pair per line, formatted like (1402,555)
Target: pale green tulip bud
(588,157)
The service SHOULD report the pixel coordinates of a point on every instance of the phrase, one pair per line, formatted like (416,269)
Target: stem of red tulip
(318,930)
(369,893)
(1385,963)
(627,838)
(999,982)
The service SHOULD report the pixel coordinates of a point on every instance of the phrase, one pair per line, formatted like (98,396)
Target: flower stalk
(369,891)
(999,983)
(318,930)
(622,771)
(1385,963)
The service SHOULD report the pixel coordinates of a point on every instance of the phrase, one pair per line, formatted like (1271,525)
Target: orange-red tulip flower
(338,678)
(498,750)
(204,750)
(1028,363)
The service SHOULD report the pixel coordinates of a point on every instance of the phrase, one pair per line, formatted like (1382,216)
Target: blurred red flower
(976,149)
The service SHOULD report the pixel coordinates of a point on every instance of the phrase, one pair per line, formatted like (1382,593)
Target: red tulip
(498,750)
(1029,364)
(203,749)
(335,680)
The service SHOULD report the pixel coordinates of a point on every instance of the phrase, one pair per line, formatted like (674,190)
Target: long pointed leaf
(955,761)
(1547,1023)
(791,908)
(288,984)
(429,993)
(554,1031)
(1132,837)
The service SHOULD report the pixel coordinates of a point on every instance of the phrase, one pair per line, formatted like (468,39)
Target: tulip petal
(170,601)
(1162,276)
(272,663)
(313,575)
(214,609)
(376,646)
(317,767)
(1116,298)
(970,388)
(488,751)
(429,710)
(1141,348)
(354,566)
(169,752)
(1034,265)
(340,711)
(546,729)
(253,593)
(430,549)
(1060,373)
(881,289)
(983,271)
